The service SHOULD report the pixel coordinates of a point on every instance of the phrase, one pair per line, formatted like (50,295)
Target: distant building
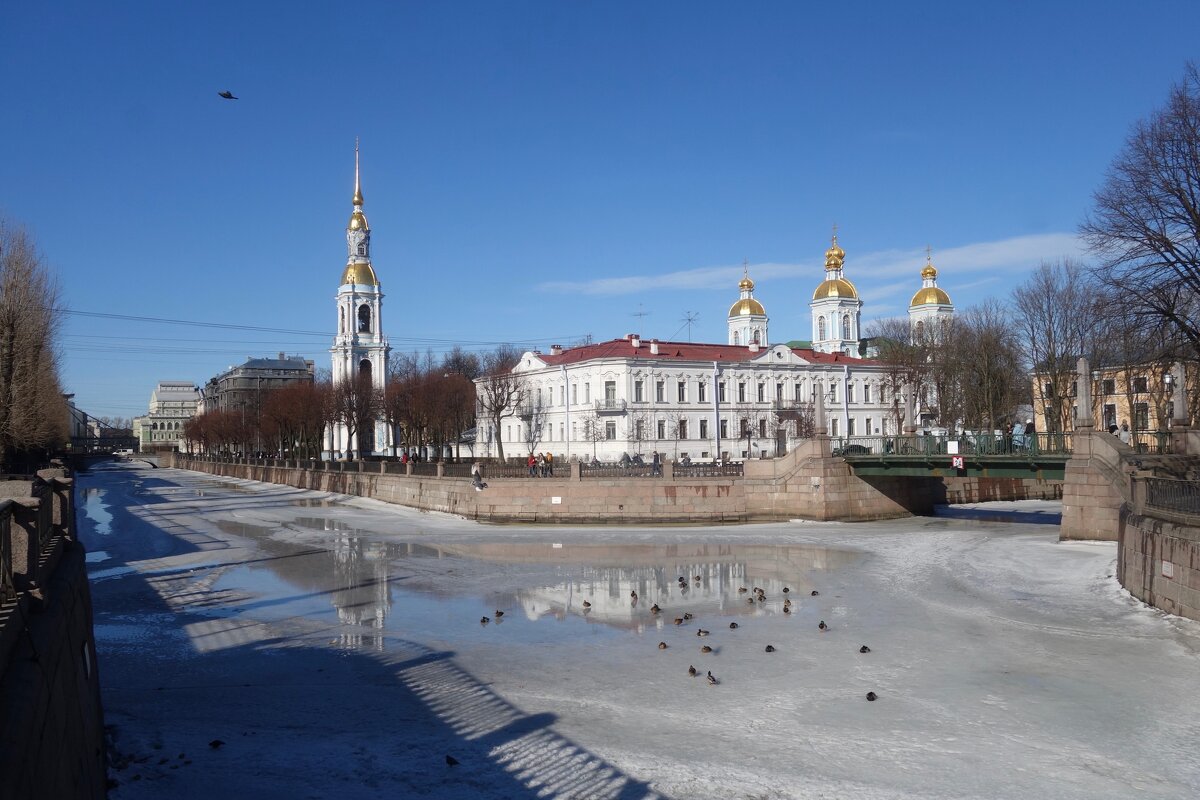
(241,388)
(172,403)
(744,399)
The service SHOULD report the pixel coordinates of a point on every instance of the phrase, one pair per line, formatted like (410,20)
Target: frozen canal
(260,641)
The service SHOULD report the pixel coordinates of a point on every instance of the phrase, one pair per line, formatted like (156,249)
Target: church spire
(358,198)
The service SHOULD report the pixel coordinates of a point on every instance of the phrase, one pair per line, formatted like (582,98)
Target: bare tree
(1056,311)
(533,416)
(356,405)
(994,379)
(33,412)
(591,426)
(500,390)
(1146,223)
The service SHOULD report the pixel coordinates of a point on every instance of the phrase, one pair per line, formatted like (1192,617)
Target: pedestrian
(477,477)
(541,461)
(1124,435)
(655,464)
(532,464)
(550,464)
(404,457)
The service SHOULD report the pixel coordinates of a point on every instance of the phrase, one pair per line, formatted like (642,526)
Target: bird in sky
(228,95)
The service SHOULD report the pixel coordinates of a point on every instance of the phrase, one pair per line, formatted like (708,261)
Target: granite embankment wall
(51,723)
(1158,561)
(807,483)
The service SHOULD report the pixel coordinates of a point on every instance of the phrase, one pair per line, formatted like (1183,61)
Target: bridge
(983,455)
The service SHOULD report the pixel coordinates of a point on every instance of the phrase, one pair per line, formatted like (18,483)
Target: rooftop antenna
(688,318)
(641,314)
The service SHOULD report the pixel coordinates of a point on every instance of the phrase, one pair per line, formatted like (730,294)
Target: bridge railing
(1173,495)
(1018,445)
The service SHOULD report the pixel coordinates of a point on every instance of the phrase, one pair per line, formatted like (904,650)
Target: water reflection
(95,508)
(700,578)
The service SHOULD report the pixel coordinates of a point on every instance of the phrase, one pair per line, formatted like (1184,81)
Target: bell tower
(360,350)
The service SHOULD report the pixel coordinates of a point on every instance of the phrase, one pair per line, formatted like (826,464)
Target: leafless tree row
(33,412)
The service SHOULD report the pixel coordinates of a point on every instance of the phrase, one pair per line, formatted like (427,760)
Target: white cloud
(1016,255)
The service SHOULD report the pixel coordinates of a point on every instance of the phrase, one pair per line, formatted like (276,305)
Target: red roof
(684,351)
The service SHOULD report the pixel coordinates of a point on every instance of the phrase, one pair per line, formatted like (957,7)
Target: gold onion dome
(746,283)
(745,306)
(930,296)
(929,272)
(834,256)
(358,221)
(361,273)
(836,287)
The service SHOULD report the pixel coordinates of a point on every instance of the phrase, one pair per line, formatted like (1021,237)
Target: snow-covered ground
(333,647)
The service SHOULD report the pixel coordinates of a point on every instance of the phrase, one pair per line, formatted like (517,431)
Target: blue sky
(543,171)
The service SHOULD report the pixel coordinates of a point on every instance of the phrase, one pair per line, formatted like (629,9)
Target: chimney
(556,349)
(754,347)
(636,340)
(654,347)
(281,357)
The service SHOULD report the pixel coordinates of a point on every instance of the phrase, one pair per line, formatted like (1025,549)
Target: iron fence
(732,470)
(1174,495)
(617,470)
(459,469)
(1153,442)
(424,468)
(982,443)
(7,590)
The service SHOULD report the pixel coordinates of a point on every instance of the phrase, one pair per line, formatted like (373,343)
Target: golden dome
(746,283)
(930,296)
(836,287)
(358,221)
(746,306)
(929,272)
(834,256)
(361,273)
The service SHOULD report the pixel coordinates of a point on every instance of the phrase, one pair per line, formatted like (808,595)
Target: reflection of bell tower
(363,598)
(360,350)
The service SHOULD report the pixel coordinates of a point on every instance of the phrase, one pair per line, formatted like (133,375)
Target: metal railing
(1173,495)
(733,470)
(981,444)
(617,470)
(7,590)
(1154,442)
(610,406)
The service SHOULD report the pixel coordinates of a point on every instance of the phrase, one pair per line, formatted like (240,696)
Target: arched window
(756,337)
(154,426)
(845,326)
(920,330)
(364,366)
(736,338)
(364,318)
(341,320)
(362,249)
(821,329)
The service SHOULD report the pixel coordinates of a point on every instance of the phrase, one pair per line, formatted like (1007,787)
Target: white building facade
(744,399)
(359,348)
(172,403)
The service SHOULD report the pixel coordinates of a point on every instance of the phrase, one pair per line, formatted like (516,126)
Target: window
(868,430)
(850,427)
(762,428)
(1110,415)
(610,394)
(756,339)
(741,392)
(682,391)
(362,249)
(660,391)
(1108,386)
(639,429)
(683,428)
(820,329)
(1141,416)
(701,391)
(574,434)
(735,339)
(724,429)
(779,393)
(561,432)
(867,395)
(833,391)
(799,392)
(587,393)
(610,430)
(845,326)
(745,423)
(762,392)
(833,431)
(849,392)
(1140,384)
(637,392)
(662,429)
(364,318)
(703,429)
(1047,390)
(574,393)
(721,392)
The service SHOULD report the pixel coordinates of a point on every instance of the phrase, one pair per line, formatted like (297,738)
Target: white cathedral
(704,401)
(360,350)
